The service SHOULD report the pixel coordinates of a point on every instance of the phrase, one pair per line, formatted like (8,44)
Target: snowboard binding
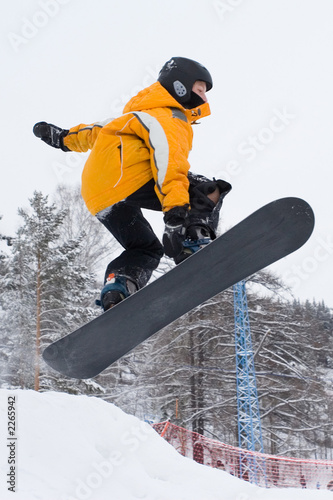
(116,289)
(197,237)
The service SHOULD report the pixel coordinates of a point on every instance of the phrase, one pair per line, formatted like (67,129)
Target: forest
(51,272)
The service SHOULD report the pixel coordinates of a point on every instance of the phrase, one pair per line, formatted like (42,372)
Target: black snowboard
(270,233)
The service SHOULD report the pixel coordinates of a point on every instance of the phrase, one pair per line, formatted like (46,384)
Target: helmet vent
(180,89)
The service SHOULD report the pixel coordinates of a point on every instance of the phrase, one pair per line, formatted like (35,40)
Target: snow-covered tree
(46,292)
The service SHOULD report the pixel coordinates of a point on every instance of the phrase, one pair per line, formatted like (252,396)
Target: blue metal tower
(249,425)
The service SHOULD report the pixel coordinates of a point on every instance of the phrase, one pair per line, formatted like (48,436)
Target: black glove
(52,135)
(175,229)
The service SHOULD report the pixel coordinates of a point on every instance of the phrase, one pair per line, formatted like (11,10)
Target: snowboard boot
(116,289)
(197,236)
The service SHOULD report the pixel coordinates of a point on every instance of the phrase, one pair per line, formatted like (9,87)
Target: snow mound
(80,448)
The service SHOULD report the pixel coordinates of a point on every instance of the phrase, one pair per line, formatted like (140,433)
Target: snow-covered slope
(80,448)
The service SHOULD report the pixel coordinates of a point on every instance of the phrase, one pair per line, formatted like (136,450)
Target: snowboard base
(269,234)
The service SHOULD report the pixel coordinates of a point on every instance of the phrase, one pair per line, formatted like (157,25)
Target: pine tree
(47,293)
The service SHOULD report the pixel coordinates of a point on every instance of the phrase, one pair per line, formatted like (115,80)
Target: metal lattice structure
(249,425)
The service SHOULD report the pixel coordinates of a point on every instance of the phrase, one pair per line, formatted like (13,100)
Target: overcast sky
(271,129)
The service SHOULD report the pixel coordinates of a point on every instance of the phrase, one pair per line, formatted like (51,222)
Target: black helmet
(178,76)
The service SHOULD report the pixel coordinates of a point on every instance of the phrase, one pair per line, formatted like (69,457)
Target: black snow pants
(143,250)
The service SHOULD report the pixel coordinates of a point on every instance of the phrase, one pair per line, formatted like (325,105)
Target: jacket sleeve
(169,139)
(82,137)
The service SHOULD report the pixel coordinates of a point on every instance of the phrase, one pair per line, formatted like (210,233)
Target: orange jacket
(152,139)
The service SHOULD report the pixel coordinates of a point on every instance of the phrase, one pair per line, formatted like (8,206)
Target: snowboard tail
(269,234)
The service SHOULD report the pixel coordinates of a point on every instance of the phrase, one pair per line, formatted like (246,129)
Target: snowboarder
(140,160)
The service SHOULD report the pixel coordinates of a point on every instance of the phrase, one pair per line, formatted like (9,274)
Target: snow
(79,448)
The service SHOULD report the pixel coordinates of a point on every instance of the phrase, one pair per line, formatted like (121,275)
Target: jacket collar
(156,96)
(196,113)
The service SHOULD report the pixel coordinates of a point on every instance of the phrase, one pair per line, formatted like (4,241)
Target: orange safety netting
(264,470)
